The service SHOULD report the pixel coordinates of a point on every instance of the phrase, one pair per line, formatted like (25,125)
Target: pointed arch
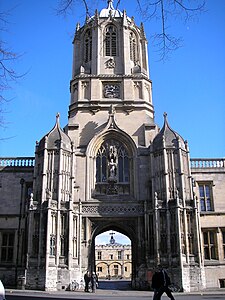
(112,162)
(111,40)
(110,159)
(87,46)
(133,47)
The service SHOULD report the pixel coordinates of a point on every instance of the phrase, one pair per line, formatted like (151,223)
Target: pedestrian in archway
(87,279)
(93,282)
(160,284)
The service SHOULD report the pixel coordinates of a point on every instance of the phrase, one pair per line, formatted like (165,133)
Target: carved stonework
(132,209)
(53,204)
(110,64)
(111,90)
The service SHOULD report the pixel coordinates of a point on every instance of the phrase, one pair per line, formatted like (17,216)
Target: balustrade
(203,163)
(199,163)
(17,161)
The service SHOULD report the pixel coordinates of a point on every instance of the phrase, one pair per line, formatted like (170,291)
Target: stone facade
(112,168)
(209,187)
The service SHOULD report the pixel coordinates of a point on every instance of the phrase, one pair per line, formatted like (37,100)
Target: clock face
(111,91)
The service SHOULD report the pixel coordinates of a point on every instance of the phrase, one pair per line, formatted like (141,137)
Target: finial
(142,30)
(77,27)
(57,119)
(96,14)
(165,115)
(110,4)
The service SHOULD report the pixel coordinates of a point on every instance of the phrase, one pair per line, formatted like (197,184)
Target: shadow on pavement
(119,285)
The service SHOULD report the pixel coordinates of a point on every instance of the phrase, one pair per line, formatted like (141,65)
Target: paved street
(108,290)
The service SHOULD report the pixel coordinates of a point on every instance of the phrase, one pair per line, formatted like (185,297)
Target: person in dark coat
(160,283)
(93,282)
(87,279)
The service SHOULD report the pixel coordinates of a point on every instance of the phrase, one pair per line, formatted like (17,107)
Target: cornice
(110,76)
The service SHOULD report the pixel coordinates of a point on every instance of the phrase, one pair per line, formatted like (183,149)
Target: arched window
(112,168)
(111,41)
(133,47)
(87,46)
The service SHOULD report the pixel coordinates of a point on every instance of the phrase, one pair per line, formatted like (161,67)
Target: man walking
(160,283)
(87,279)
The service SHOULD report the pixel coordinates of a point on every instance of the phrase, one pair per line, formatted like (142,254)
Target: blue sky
(104,238)
(190,86)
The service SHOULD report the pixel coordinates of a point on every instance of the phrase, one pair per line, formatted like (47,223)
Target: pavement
(107,288)
(104,292)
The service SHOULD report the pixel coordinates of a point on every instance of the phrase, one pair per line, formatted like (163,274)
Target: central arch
(126,226)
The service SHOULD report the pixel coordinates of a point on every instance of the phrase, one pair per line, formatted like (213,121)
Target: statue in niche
(112,164)
(31,204)
(112,169)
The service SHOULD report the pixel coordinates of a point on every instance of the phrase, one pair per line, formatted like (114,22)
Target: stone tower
(112,168)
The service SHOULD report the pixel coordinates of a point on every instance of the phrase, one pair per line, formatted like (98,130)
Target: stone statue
(112,163)
(112,169)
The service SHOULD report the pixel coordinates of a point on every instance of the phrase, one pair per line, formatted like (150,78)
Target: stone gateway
(112,168)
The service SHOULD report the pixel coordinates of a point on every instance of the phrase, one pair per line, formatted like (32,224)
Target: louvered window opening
(111,41)
(88,47)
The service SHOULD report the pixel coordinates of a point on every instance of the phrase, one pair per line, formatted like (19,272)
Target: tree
(8,74)
(164,10)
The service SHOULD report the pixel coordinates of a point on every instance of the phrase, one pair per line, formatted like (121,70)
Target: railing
(17,161)
(196,163)
(204,163)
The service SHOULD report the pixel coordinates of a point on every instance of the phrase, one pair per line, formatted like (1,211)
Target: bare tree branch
(65,6)
(163,10)
(8,73)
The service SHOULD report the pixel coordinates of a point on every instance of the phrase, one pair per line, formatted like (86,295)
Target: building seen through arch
(111,167)
(113,260)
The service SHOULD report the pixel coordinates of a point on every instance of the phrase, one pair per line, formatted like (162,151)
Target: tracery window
(111,41)
(112,169)
(112,162)
(88,46)
(133,47)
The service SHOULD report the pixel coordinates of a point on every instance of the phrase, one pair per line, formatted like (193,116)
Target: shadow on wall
(89,130)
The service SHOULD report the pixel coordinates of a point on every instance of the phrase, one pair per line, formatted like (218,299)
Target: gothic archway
(127,226)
